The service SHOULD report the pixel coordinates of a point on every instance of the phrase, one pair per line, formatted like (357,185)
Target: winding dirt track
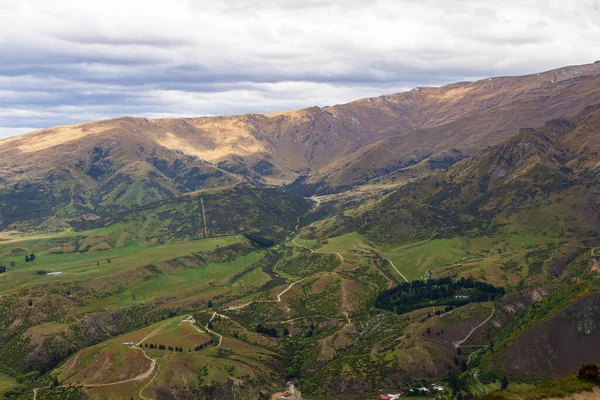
(460,342)
(303,247)
(139,377)
(143,375)
(209,331)
(148,384)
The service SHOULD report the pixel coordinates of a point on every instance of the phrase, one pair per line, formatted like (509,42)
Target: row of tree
(163,347)
(203,345)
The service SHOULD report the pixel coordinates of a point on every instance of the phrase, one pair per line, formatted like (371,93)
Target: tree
(286,332)
(209,304)
(31,257)
(26,258)
(588,372)
(504,382)
(108,261)
(30,303)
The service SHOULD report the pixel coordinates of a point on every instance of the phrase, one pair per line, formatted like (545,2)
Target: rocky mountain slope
(100,167)
(543,174)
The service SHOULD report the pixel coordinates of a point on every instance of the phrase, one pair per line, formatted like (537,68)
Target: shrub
(588,372)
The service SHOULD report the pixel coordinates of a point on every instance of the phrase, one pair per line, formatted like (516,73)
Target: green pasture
(343,244)
(91,264)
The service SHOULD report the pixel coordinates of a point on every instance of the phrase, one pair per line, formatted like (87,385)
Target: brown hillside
(560,345)
(127,162)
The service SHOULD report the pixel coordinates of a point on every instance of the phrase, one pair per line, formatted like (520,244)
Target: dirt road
(460,342)
(209,331)
(393,266)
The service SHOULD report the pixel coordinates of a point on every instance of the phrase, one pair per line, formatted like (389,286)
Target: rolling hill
(456,246)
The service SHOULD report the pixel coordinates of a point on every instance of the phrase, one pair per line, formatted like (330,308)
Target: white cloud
(67,61)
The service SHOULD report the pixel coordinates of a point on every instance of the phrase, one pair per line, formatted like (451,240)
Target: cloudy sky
(66,61)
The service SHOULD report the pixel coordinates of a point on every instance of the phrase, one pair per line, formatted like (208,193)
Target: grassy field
(343,244)
(6,382)
(414,259)
(90,264)
(502,259)
(184,283)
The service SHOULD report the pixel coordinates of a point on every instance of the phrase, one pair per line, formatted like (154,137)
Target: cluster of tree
(459,383)
(259,240)
(311,330)
(30,257)
(413,295)
(203,345)
(266,331)
(4,268)
(163,347)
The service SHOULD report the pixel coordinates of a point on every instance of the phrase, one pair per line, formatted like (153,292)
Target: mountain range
(100,167)
(442,238)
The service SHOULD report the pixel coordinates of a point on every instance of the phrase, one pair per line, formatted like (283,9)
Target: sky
(69,61)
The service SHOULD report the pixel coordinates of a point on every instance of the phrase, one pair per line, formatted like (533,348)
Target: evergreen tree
(504,382)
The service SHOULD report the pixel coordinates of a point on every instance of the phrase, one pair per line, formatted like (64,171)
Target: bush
(588,372)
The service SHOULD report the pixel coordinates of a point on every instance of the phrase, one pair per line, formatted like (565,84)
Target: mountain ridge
(127,162)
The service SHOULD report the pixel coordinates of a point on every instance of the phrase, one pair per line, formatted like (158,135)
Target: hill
(457,249)
(106,166)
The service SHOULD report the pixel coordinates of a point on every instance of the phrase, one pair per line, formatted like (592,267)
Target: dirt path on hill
(477,383)
(303,247)
(204,217)
(284,291)
(209,331)
(483,347)
(148,384)
(393,266)
(143,375)
(460,342)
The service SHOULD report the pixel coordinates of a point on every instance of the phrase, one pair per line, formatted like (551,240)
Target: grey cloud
(70,62)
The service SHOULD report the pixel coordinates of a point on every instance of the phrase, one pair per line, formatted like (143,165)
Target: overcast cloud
(67,61)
